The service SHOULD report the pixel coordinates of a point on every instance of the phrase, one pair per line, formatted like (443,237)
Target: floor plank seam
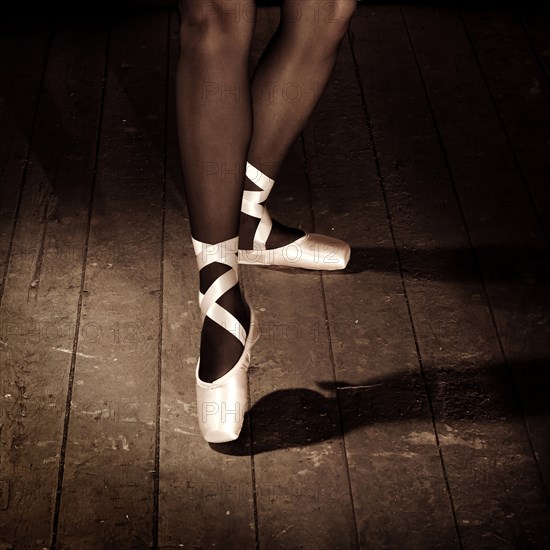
(358,387)
(63,450)
(156,475)
(405,294)
(517,162)
(25,166)
(252,461)
(477,264)
(34,285)
(340,423)
(331,355)
(253,477)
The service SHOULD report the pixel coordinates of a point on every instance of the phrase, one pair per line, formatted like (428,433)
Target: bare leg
(287,84)
(214,128)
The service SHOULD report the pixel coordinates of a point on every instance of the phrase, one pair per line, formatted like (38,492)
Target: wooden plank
(23,53)
(381,392)
(519,88)
(303,496)
(108,484)
(206,496)
(40,305)
(487,455)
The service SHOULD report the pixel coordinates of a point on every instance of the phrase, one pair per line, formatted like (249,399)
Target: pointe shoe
(221,404)
(311,251)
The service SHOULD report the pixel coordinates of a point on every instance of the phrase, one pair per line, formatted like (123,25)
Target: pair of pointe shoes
(221,404)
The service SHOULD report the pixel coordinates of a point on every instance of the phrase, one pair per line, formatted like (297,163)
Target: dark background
(34,9)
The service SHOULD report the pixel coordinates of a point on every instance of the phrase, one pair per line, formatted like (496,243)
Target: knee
(216,25)
(327,20)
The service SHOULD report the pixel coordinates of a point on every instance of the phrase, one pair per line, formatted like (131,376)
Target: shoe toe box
(327,253)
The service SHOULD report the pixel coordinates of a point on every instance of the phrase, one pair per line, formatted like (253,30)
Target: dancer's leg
(287,83)
(214,128)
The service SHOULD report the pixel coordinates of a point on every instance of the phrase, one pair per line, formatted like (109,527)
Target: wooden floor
(402,403)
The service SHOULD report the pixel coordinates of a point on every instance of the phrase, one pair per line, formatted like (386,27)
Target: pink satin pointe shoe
(311,251)
(221,404)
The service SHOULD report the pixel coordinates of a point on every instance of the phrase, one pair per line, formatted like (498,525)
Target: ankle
(257,167)
(280,235)
(247,230)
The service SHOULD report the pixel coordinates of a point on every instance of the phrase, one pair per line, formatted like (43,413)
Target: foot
(255,222)
(220,350)
(263,241)
(280,234)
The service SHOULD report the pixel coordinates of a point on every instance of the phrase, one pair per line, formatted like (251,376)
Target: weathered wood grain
(107,493)
(40,306)
(23,54)
(478,417)
(510,244)
(381,392)
(521,95)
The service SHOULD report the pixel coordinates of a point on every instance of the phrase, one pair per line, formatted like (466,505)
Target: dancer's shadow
(300,417)
(502,264)
(507,264)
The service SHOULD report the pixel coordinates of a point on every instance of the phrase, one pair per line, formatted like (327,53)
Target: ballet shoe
(310,251)
(221,404)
